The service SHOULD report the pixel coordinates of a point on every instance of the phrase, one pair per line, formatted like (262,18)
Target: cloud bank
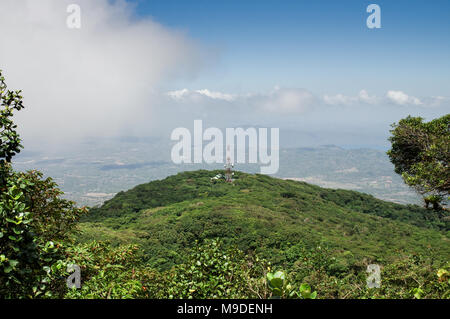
(101,79)
(278,100)
(296,100)
(360,119)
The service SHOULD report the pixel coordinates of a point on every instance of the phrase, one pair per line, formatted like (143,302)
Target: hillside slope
(270,216)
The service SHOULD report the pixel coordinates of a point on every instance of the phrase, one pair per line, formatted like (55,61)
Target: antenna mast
(228,167)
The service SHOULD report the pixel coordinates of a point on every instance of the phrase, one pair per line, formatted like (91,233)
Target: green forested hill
(272,217)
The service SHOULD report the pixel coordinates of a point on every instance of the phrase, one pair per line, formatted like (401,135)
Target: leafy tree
(35,223)
(421,153)
(10,101)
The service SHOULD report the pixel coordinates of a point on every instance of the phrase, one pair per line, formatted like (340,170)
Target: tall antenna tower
(229,167)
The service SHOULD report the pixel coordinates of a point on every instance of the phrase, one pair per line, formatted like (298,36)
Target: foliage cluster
(264,215)
(35,223)
(213,270)
(421,155)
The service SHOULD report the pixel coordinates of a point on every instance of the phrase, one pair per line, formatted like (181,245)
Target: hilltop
(270,216)
(93,172)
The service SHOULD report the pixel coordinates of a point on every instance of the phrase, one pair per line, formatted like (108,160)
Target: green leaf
(305,288)
(277,283)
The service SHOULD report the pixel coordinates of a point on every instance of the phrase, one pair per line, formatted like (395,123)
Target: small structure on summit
(228,176)
(229,167)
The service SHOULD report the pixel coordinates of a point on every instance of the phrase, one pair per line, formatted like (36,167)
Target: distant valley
(94,172)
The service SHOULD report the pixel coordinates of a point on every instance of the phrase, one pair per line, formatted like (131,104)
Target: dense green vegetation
(262,214)
(321,236)
(212,270)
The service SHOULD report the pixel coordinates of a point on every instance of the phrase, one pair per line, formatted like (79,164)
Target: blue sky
(323,46)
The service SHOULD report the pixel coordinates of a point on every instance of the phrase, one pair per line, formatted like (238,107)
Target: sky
(324,46)
(143,68)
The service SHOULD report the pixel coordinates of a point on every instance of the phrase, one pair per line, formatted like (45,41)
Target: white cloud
(178,94)
(97,80)
(279,100)
(216,95)
(401,98)
(391,96)
(193,95)
(437,101)
(364,97)
(340,99)
(287,100)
